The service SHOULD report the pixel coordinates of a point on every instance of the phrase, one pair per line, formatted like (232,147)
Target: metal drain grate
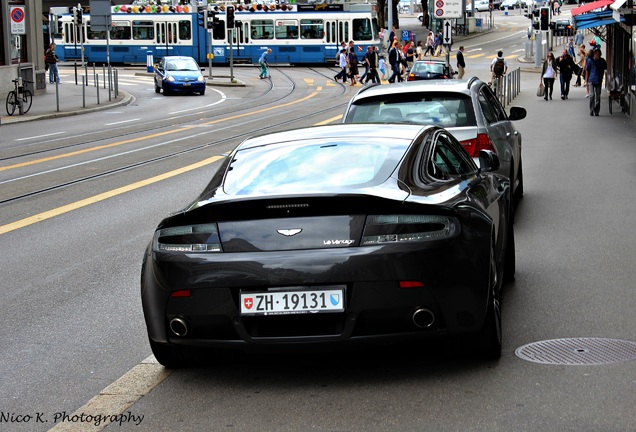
(578,351)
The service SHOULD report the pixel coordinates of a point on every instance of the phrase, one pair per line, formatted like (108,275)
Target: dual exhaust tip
(422,318)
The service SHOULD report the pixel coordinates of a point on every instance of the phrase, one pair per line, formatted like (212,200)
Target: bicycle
(20,97)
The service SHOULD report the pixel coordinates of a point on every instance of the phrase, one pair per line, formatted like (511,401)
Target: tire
(490,336)
(12,102)
(177,356)
(510,256)
(27,101)
(518,194)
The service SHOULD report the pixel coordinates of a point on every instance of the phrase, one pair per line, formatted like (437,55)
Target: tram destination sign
(445,9)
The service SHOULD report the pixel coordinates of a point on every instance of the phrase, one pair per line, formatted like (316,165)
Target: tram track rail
(283,122)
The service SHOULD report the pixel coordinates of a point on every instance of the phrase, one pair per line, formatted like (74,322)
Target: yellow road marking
(118,143)
(101,197)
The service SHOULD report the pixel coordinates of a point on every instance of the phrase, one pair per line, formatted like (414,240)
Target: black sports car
(333,234)
(430,69)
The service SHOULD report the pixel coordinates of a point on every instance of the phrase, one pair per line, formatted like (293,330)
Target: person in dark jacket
(565,64)
(595,68)
(461,64)
(51,61)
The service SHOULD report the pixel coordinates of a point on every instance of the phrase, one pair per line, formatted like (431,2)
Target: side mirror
(517,113)
(488,161)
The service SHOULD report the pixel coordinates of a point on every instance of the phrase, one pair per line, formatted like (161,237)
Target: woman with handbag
(548,74)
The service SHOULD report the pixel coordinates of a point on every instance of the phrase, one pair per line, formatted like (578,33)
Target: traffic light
(213,20)
(203,18)
(535,25)
(79,16)
(230,17)
(75,16)
(544,18)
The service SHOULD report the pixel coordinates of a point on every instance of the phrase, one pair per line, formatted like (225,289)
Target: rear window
(423,67)
(319,165)
(441,109)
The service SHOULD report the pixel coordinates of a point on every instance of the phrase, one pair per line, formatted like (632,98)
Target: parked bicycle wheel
(27,100)
(12,101)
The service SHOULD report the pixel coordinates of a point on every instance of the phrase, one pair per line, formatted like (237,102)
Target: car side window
(448,158)
(498,113)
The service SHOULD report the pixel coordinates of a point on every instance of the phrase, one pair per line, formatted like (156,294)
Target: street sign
(447,37)
(18,22)
(448,9)
(101,15)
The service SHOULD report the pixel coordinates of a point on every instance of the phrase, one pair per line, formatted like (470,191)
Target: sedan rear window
(441,109)
(320,165)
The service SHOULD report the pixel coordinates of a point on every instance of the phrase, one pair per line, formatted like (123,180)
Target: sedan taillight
(481,142)
(387,229)
(192,238)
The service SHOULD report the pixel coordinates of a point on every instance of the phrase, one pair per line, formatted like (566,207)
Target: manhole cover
(578,351)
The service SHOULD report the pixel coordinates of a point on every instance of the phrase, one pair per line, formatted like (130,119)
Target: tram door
(166,34)
(336,31)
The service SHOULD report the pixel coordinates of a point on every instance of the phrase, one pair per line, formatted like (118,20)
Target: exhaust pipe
(179,327)
(423,318)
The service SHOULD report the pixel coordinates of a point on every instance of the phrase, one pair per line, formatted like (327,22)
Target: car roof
(341,131)
(455,86)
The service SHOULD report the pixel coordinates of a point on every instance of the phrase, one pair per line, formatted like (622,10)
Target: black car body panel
(431,253)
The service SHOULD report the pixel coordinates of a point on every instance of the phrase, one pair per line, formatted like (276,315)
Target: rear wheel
(518,194)
(27,100)
(490,336)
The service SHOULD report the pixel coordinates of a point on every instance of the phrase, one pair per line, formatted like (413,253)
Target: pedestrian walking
(565,65)
(51,61)
(372,60)
(578,38)
(461,64)
(342,64)
(394,61)
(498,67)
(548,74)
(410,55)
(382,67)
(262,61)
(430,43)
(419,51)
(595,67)
(353,66)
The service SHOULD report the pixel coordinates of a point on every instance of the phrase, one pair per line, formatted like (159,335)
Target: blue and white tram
(296,34)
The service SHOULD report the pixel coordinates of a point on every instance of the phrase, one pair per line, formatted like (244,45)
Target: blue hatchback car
(177,74)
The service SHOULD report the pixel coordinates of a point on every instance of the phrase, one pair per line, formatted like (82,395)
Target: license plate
(292,302)
(186,84)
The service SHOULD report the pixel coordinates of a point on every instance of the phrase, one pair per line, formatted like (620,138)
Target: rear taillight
(408,228)
(190,238)
(411,77)
(482,142)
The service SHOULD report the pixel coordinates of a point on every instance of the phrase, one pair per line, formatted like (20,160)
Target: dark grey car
(467,108)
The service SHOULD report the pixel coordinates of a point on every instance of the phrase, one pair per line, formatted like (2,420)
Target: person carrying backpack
(498,67)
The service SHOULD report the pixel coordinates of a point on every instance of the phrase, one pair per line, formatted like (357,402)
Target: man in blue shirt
(595,68)
(263,62)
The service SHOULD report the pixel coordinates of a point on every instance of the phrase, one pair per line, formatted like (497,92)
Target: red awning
(591,6)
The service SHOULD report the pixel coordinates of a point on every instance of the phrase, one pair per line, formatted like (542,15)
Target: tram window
(262,29)
(143,30)
(94,34)
(312,28)
(362,29)
(287,29)
(185,33)
(120,30)
(376,28)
